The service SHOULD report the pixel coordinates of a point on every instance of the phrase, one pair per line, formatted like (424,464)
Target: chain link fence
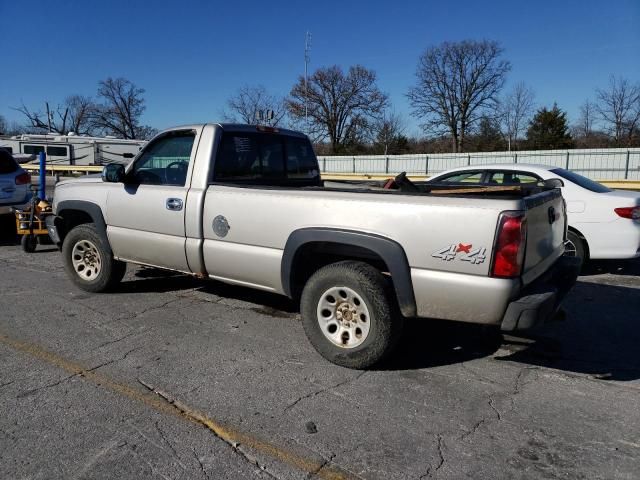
(597,164)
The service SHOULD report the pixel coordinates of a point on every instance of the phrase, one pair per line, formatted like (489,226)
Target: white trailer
(72,149)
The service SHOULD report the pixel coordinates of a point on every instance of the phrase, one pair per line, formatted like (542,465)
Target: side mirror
(114,173)
(553,183)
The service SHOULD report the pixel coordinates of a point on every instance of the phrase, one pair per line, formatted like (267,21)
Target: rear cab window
(268,159)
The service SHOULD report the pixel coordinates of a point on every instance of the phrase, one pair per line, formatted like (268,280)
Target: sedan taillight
(628,212)
(23,179)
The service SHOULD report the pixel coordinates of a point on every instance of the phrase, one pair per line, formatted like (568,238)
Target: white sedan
(603,223)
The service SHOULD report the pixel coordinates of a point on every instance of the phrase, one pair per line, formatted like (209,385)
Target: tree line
(115,110)
(458,97)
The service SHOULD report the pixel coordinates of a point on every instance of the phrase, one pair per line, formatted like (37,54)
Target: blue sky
(191,56)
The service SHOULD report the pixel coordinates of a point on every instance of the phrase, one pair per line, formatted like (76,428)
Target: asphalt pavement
(174,378)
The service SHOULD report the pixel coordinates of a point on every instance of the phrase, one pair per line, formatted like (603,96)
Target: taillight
(23,179)
(628,212)
(510,245)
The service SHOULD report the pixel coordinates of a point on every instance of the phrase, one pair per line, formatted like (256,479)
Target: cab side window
(265,159)
(249,157)
(165,161)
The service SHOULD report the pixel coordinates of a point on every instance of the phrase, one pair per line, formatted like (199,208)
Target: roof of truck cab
(235,127)
(242,127)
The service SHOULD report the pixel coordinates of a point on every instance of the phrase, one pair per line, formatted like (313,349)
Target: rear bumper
(7,206)
(540,301)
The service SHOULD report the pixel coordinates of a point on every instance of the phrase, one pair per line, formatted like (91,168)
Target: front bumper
(540,301)
(50,221)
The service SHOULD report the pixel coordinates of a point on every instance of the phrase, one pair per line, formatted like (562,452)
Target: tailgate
(546,221)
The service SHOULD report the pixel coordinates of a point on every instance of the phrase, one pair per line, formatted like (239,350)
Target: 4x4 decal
(462,252)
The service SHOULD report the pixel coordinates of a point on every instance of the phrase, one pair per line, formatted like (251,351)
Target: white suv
(15,183)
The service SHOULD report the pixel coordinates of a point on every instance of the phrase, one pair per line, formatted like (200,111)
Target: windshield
(584,182)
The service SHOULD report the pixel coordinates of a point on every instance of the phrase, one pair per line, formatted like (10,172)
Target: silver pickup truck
(246,205)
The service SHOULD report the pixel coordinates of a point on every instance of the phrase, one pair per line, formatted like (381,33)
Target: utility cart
(30,223)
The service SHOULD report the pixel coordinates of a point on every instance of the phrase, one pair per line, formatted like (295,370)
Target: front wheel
(88,262)
(349,314)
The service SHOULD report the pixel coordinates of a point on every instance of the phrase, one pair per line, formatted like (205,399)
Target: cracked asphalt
(176,378)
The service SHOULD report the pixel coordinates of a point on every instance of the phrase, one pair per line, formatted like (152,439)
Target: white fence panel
(598,164)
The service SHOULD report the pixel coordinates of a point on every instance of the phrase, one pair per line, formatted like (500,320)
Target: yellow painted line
(161,402)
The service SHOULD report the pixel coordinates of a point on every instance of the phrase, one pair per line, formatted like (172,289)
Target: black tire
(370,289)
(29,243)
(101,279)
(576,247)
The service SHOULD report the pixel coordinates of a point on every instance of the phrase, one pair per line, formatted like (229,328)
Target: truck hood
(93,178)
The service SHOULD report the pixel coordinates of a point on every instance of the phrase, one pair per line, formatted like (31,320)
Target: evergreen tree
(488,138)
(549,130)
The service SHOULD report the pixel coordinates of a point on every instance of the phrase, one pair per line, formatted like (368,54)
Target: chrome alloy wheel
(343,317)
(86,260)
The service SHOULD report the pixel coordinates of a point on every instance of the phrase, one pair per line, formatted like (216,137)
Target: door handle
(174,204)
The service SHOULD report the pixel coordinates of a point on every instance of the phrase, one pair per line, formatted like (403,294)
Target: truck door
(146,215)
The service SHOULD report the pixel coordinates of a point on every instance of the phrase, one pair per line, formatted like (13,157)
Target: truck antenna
(307,58)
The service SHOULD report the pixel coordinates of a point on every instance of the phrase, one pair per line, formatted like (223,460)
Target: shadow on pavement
(601,336)
(158,280)
(427,343)
(274,303)
(615,267)
(8,234)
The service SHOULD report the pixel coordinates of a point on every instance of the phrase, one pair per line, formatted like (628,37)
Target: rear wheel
(349,315)
(575,246)
(88,261)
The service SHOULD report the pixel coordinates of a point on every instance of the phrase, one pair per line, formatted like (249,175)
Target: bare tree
(514,113)
(619,108)
(341,107)
(250,103)
(388,130)
(121,107)
(74,115)
(49,120)
(146,132)
(82,110)
(456,84)
(584,127)
(3,125)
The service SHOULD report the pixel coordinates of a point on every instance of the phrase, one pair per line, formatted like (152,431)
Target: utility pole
(307,50)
